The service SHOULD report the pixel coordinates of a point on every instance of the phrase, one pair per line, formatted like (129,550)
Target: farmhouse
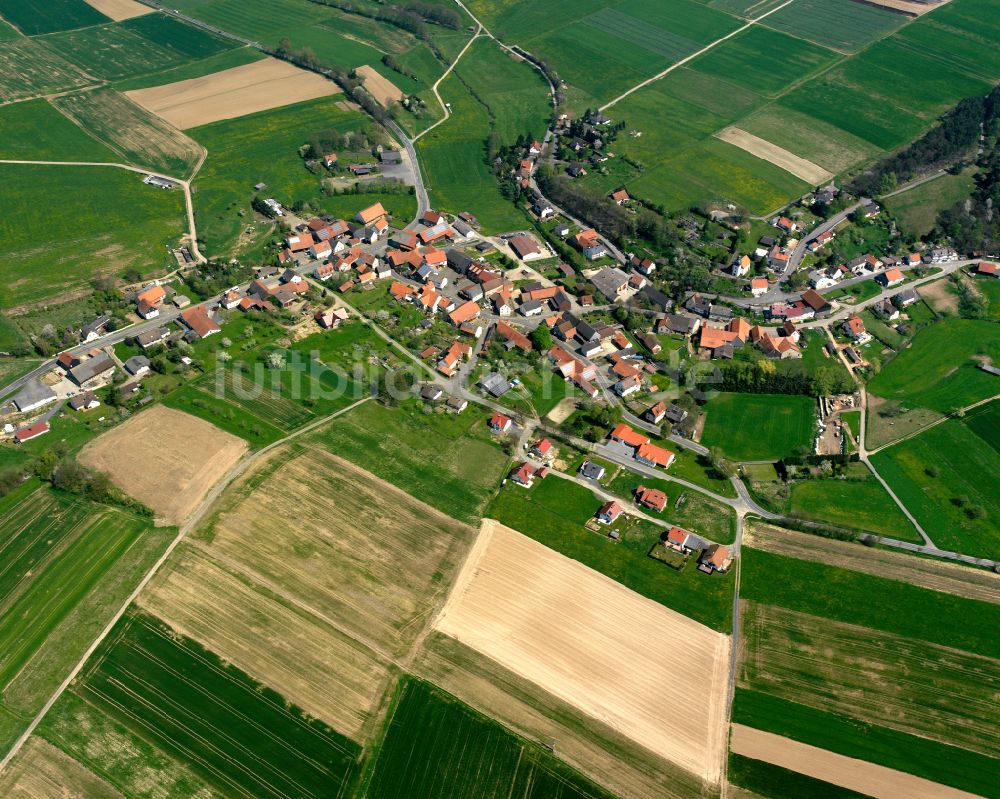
(368,215)
(92,371)
(626,435)
(199,322)
(816,302)
(651,498)
(652,455)
(611,282)
(986,269)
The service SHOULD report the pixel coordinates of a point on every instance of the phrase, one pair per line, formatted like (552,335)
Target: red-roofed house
(621,196)
(464,313)
(541,449)
(609,512)
(651,498)
(500,423)
(198,320)
(855,328)
(626,435)
(370,214)
(758,286)
(890,277)
(679,539)
(987,269)
(652,455)
(716,558)
(28,433)
(523,475)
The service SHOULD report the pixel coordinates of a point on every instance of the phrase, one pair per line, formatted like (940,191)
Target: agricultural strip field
(938,475)
(236,92)
(35,131)
(120,9)
(435,747)
(843,25)
(937,575)
(65,566)
(800,167)
(449,462)
(566,628)
(111,222)
(29,68)
(754,779)
(112,52)
(749,427)
(173,476)
(847,597)
(237,734)
(138,137)
(40,770)
(236,57)
(554,512)
(223,415)
(44,16)
(938,370)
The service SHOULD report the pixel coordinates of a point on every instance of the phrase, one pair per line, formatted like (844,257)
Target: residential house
(199,322)
(609,512)
(887,310)
(854,327)
(651,498)
(715,558)
(591,471)
(495,384)
(758,286)
(741,266)
(889,278)
(429,392)
(679,540)
(678,323)
(624,434)
(464,313)
(627,386)
(84,402)
(368,215)
(137,365)
(94,330)
(523,474)
(330,318)
(500,423)
(652,455)
(149,301)
(816,301)
(907,297)
(150,338)
(456,403)
(656,413)
(541,449)
(786,224)
(621,197)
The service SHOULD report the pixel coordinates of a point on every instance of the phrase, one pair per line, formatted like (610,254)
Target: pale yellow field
(856,775)
(167,459)
(652,674)
(120,9)
(379,86)
(231,93)
(910,6)
(800,167)
(40,771)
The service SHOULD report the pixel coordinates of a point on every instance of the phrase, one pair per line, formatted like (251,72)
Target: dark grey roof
(592,471)
(495,383)
(33,394)
(136,363)
(90,368)
(95,326)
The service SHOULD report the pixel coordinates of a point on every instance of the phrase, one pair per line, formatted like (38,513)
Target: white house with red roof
(500,423)
(609,512)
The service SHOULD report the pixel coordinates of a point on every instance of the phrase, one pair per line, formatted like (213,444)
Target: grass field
(750,427)
(234,732)
(172,34)
(112,52)
(938,371)
(193,69)
(918,208)
(44,16)
(841,24)
(65,566)
(435,746)
(447,461)
(939,476)
(554,512)
(117,223)
(29,68)
(224,415)
(852,737)
(34,130)
(847,597)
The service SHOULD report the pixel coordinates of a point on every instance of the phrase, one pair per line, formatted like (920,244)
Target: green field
(43,16)
(938,370)
(234,732)
(7,31)
(112,52)
(448,461)
(775,782)
(748,427)
(116,222)
(186,40)
(224,415)
(65,566)
(918,208)
(435,746)
(554,512)
(29,68)
(939,474)
(874,602)
(194,69)
(844,25)
(35,131)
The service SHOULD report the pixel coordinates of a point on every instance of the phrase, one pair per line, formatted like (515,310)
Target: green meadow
(752,427)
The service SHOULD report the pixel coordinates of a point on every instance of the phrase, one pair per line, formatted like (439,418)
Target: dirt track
(615,655)
(167,459)
(232,93)
(120,9)
(380,87)
(847,772)
(800,167)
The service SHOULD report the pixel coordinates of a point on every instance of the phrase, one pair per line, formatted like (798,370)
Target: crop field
(112,51)
(749,427)
(752,779)
(186,40)
(237,734)
(436,746)
(261,147)
(228,59)
(44,16)
(40,770)
(844,25)
(173,477)
(939,476)
(117,223)
(554,512)
(449,462)
(937,575)
(879,678)
(938,370)
(565,627)
(34,130)
(264,400)
(224,415)
(65,564)
(140,138)
(846,596)
(28,68)
(593,748)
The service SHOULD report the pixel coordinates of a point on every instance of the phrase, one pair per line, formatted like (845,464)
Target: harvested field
(590,641)
(166,459)
(40,771)
(280,643)
(798,166)
(856,775)
(260,86)
(120,9)
(360,552)
(379,86)
(914,7)
(887,680)
(936,575)
(941,296)
(28,68)
(141,138)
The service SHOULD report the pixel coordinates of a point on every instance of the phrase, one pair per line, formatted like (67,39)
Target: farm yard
(757,427)
(500,607)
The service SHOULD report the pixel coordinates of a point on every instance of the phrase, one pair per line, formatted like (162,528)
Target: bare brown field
(282,645)
(562,411)
(800,167)
(940,296)
(167,459)
(232,93)
(914,7)
(379,86)
(347,544)
(856,775)
(619,657)
(912,686)
(140,137)
(881,430)
(40,771)
(120,9)
(603,754)
(937,575)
